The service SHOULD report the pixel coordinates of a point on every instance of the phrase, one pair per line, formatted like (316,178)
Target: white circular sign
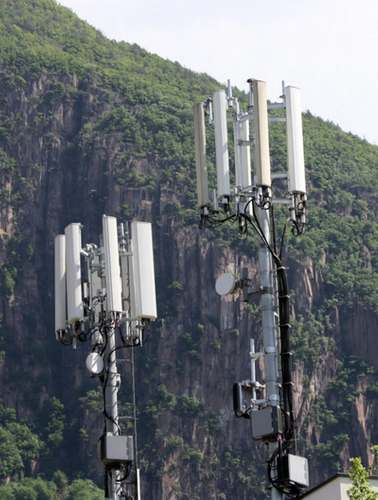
(94,363)
(225,284)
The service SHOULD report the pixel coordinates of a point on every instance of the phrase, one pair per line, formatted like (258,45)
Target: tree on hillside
(359,475)
(19,446)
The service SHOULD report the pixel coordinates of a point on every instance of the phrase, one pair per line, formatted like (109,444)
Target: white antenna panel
(112,267)
(295,154)
(73,251)
(221,143)
(143,296)
(60,281)
(201,165)
(244,154)
(261,134)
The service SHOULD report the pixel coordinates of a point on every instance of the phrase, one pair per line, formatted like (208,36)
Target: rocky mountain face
(105,130)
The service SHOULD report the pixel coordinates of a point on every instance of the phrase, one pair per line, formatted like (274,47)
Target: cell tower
(105,294)
(249,204)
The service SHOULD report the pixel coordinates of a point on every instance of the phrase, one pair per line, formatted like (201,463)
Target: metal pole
(277,495)
(139,497)
(269,331)
(267,304)
(253,367)
(111,400)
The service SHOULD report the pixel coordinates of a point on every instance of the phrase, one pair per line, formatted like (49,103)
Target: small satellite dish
(94,363)
(225,284)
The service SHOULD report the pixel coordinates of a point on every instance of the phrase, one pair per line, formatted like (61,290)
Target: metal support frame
(268,324)
(109,331)
(252,206)
(268,310)
(111,406)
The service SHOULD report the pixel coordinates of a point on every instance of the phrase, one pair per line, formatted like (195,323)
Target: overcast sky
(329,48)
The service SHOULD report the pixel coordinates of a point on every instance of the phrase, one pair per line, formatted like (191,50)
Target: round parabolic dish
(94,363)
(225,284)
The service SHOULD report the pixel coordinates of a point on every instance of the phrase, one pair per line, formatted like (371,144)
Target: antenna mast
(249,204)
(110,306)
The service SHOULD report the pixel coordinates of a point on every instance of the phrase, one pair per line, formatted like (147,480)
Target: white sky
(329,48)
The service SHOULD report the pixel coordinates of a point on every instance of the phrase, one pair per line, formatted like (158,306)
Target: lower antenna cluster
(105,294)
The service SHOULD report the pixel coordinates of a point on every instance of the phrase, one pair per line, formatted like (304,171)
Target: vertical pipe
(253,367)
(112,386)
(268,313)
(124,264)
(236,147)
(113,306)
(229,89)
(267,304)
(136,458)
(276,495)
(138,485)
(111,403)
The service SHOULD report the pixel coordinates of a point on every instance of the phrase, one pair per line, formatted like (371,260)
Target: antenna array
(253,177)
(249,203)
(106,294)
